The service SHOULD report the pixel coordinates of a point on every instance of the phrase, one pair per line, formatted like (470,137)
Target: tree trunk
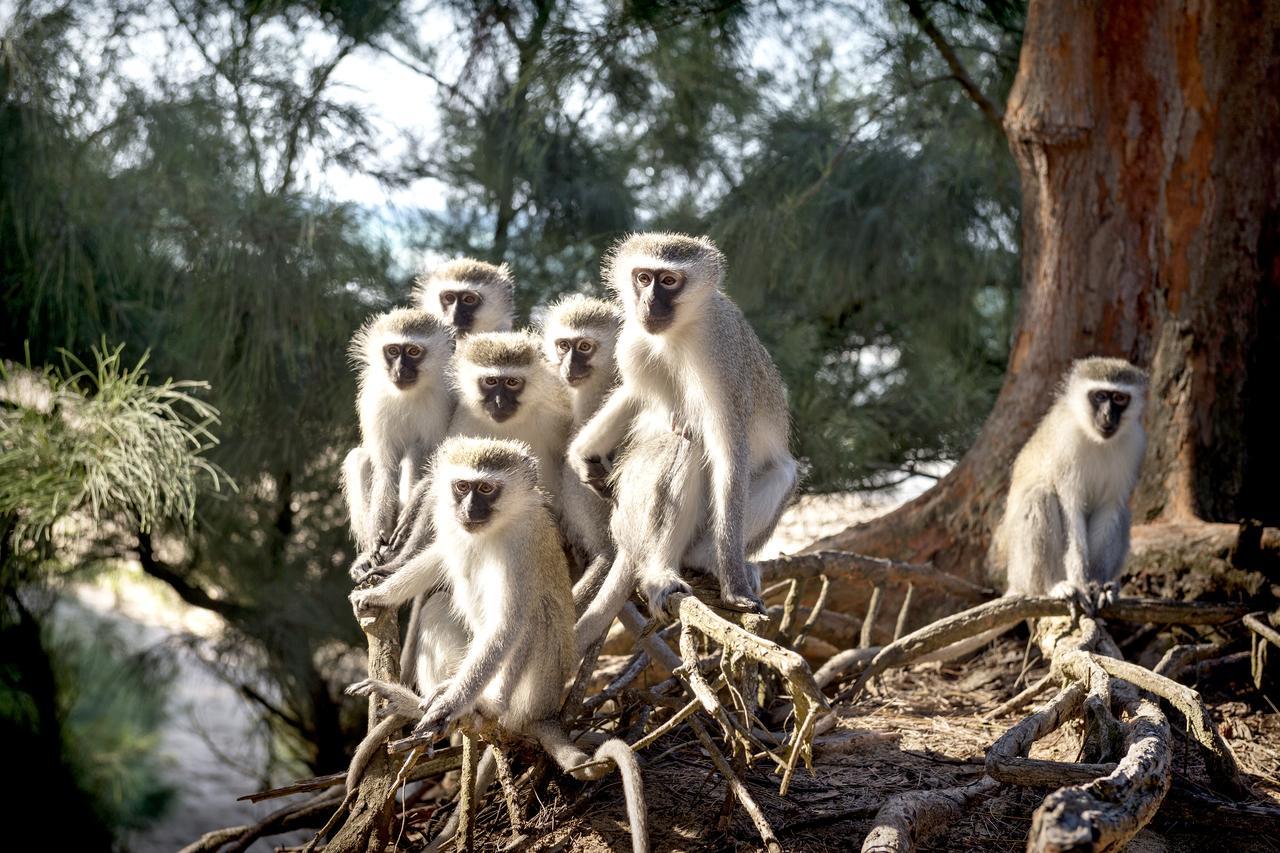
(1147,136)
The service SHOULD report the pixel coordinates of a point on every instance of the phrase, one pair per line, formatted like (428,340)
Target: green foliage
(103,441)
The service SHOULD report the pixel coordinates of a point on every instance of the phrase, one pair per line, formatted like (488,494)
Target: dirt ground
(924,730)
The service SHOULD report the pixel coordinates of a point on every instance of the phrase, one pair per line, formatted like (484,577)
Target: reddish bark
(1147,136)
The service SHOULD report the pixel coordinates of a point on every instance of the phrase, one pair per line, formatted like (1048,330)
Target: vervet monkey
(468,295)
(1065,530)
(498,550)
(506,389)
(690,364)
(579,337)
(405,405)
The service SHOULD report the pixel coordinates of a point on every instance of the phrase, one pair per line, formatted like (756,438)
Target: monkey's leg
(1036,544)
(770,489)
(672,517)
(1108,547)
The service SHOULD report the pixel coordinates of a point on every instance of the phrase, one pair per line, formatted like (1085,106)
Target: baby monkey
(1065,530)
(498,551)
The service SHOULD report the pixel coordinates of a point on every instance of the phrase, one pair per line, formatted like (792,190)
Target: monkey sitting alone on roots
(1065,529)
(498,550)
(691,366)
(405,406)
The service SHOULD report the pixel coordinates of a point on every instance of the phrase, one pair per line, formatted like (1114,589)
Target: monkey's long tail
(551,735)
(604,608)
(372,741)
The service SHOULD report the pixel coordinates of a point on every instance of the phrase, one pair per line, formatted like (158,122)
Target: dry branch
(372,803)
(875,571)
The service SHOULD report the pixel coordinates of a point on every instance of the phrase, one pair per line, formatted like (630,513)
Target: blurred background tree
(167,180)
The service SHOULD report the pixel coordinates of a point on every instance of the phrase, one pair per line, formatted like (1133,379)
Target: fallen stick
(737,786)
(444,761)
(906,819)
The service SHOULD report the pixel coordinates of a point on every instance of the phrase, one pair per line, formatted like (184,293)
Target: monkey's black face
(1108,409)
(460,307)
(656,291)
(474,502)
(403,361)
(500,396)
(575,356)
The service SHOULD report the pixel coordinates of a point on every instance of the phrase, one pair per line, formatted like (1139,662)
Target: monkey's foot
(1104,594)
(369,687)
(740,590)
(1081,601)
(658,591)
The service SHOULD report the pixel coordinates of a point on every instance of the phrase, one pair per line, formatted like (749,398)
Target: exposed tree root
(1105,813)
(741,692)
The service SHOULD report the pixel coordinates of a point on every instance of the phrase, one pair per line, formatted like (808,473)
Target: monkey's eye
(1098,397)
(391,350)
(1120,398)
(485,488)
(669,280)
(491,381)
(413,351)
(562,345)
(470,299)
(461,486)
(515,382)
(447,297)
(585,346)
(644,279)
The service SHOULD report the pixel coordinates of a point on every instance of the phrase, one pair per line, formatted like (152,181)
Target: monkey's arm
(1076,559)
(501,637)
(414,578)
(602,435)
(384,497)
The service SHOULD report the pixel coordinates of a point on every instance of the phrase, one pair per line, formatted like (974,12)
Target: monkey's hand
(658,591)
(439,709)
(592,471)
(361,566)
(367,604)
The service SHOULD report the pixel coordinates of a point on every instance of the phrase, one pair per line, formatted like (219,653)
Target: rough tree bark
(1145,134)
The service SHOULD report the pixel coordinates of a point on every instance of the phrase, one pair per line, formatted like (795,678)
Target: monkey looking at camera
(498,551)
(579,336)
(506,389)
(405,406)
(469,296)
(1065,529)
(690,364)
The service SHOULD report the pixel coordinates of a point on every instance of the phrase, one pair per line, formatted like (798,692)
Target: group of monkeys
(631,440)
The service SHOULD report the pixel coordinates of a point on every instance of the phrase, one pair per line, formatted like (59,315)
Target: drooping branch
(989,108)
